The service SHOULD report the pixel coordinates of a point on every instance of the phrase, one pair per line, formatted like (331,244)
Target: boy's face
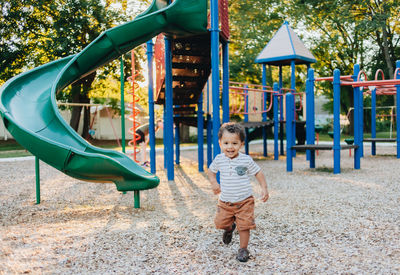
(230,144)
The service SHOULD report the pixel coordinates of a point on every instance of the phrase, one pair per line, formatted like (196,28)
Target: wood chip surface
(314,223)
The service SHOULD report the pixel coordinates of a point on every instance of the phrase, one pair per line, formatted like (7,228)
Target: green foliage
(252,24)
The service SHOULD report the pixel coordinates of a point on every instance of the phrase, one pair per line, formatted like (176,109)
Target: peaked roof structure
(284,47)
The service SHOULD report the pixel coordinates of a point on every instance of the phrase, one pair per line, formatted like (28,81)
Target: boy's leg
(245,222)
(244,238)
(243,254)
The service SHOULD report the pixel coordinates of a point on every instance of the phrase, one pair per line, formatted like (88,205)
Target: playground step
(185,110)
(185,65)
(191,67)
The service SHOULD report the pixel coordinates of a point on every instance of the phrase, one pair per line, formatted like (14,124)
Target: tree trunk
(79,93)
(386,50)
(76,110)
(86,84)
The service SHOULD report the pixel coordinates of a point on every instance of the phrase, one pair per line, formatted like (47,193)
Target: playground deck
(315,222)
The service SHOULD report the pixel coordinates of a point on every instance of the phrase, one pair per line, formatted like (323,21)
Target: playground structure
(284,49)
(253,102)
(29,111)
(385,86)
(382,88)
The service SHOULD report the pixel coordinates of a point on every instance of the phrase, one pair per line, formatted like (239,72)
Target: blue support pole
(122,104)
(281,111)
(276,120)
(264,114)
(293,75)
(336,121)
(293,87)
(225,82)
(310,117)
(397,76)
(200,134)
(169,116)
(308,152)
(373,121)
(361,120)
(289,133)
(246,119)
(177,143)
(356,121)
(215,75)
(152,133)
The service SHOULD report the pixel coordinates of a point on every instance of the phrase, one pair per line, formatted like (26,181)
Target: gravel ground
(314,222)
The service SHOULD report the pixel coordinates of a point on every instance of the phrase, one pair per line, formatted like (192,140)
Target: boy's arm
(261,179)
(212,177)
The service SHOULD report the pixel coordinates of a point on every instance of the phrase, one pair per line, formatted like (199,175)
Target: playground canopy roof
(284,47)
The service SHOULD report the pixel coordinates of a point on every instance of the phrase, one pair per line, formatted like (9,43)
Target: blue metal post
(373,121)
(215,74)
(310,117)
(308,152)
(293,87)
(122,104)
(398,111)
(246,118)
(200,133)
(169,116)
(336,121)
(152,134)
(357,133)
(264,114)
(289,133)
(177,143)
(225,82)
(361,119)
(281,110)
(293,75)
(276,121)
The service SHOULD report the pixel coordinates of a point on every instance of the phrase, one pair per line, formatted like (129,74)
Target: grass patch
(9,145)
(14,154)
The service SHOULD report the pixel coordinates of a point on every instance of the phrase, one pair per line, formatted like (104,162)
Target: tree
(22,28)
(252,24)
(36,32)
(75,25)
(344,33)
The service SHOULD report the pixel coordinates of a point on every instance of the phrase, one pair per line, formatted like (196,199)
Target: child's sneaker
(146,164)
(243,255)
(227,236)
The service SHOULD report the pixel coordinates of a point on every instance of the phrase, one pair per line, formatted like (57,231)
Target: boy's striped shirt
(234,176)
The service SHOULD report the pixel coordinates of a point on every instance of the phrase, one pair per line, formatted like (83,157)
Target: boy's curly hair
(233,128)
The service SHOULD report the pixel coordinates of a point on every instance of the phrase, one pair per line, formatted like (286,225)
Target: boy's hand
(216,188)
(264,195)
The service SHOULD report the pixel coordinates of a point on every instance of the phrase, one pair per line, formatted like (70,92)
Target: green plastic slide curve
(28,103)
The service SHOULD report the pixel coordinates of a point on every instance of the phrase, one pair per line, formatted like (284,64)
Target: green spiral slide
(29,110)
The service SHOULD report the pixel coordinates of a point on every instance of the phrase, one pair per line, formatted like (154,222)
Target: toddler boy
(236,201)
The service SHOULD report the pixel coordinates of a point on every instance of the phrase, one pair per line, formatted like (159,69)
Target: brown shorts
(241,212)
